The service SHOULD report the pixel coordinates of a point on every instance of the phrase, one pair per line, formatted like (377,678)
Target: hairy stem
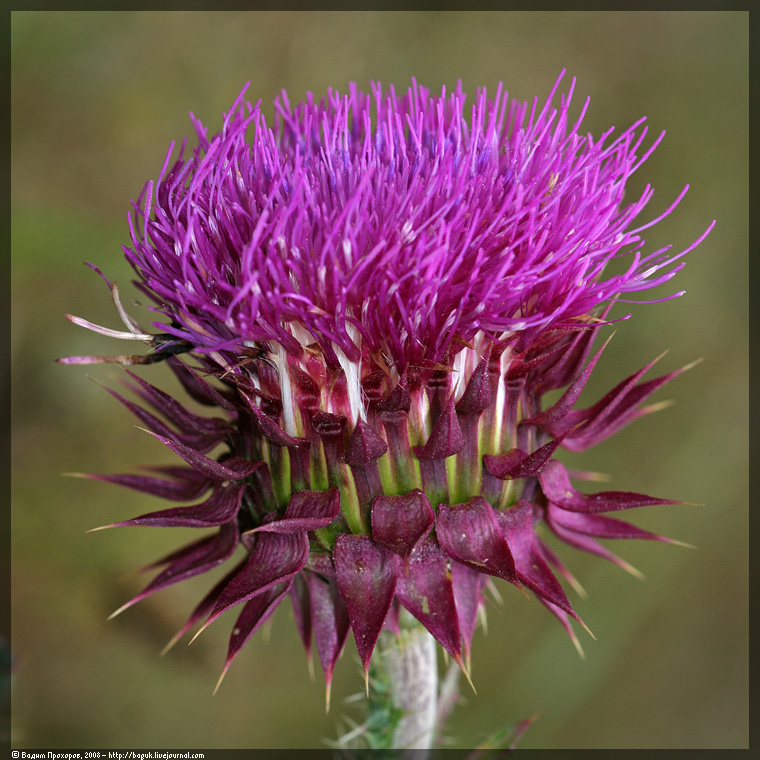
(404,688)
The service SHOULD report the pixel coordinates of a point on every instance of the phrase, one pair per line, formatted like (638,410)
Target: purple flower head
(372,299)
(393,225)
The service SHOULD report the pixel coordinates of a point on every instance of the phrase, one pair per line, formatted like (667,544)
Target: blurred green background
(96,99)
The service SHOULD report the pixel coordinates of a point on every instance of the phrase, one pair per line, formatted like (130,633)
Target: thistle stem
(404,687)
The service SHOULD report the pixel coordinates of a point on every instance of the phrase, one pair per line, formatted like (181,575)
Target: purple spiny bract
(372,298)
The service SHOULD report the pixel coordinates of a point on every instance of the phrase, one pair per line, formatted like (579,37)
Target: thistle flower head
(372,297)
(392,225)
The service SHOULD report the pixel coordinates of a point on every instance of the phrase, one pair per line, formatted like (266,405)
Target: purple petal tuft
(272,431)
(329,620)
(204,607)
(299,597)
(366,574)
(477,394)
(468,588)
(221,507)
(364,446)
(568,398)
(425,589)
(446,439)
(192,560)
(469,533)
(517,527)
(209,467)
(189,484)
(254,615)
(307,510)
(598,526)
(275,558)
(555,483)
(400,522)
(517,464)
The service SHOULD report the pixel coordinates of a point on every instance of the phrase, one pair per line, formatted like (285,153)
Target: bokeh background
(96,99)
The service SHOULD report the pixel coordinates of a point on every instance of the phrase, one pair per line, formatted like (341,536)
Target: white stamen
(407,232)
(120,334)
(130,323)
(301,334)
(501,393)
(460,362)
(280,358)
(353,380)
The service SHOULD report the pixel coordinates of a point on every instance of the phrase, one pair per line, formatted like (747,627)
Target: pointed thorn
(102,527)
(199,632)
(575,583)
(366,681)
(632,570)
(495,592)
(693,364)
(327,697)
(680,543)
(483,618)
(577,645)
(466,675)
(121,609)
(587,629)
(171,643)
(221,678)
(659,406)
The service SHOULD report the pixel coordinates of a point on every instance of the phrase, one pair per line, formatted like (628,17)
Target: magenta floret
(405,220)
